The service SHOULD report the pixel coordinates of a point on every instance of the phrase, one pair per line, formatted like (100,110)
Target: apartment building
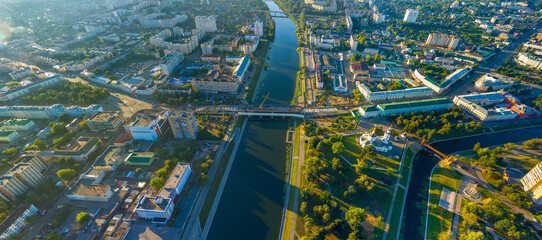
(158,20)
(532,183)
(206,23)
(410,16)
(494,106)
(27,174)
(110,159)
(171,61)
(529,60)
(9,136)
(20,73)
(16,221)
(442,40)
(176,181)
(50,112)
(105,121)
(183,124)
(17,125)
(30,88)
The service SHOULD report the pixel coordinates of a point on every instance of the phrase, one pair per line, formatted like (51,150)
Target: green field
(353,152)
(440,219)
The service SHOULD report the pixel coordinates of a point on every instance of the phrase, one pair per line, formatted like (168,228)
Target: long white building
(171,61)
(30,88)
(394,94)
(445,83)
(48,112)
(442,40)
(528,60)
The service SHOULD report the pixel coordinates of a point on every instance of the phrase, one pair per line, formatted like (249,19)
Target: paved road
(300,164)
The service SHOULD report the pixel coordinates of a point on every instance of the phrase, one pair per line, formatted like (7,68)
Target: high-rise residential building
(410,16)
(171,61)
(442,40)
(183,124)
(206,23)
(257,27)
(27,174)
(532,183)
(378,18)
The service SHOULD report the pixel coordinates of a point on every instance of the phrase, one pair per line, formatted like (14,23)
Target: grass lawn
(296,140)
(215,184)
(406,168)
(255,79)
(396,214)
(525,162)
(440,219)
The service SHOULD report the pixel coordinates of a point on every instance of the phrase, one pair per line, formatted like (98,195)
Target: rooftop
(18,122)
(421,103)
(6,133)
(91,190)
(13,217)
(140,158)
(104,116)
(153,203)
(174,178)
(144,120)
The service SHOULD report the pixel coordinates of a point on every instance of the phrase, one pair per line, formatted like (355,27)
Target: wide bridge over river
(270,111)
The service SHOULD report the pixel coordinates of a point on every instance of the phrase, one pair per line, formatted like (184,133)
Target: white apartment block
(257,28)
(186,48)
(445,83)
(155,20)
(16,221)
(48,112)
(30,88)
(171,61)
(146,4)
(206,23)
(92,27)
(528,60)
(23,176)
(410,16)
(442,40)
(20,73)
(532,183)
(378,18)
(393,95)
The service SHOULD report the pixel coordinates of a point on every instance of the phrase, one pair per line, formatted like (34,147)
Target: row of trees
(429,124)
(67,93)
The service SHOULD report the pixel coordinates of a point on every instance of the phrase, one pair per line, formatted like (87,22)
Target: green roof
(356,113)
(369,108)
(145,158)
(19,122)
(421,103)
(6,133)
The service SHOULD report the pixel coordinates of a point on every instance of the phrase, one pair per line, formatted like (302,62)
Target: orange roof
(538,38)
(124,137)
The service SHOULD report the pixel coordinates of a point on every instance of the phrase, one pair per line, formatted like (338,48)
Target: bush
(517,196)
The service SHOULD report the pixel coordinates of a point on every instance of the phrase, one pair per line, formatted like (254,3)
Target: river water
(414,216)
(253,198)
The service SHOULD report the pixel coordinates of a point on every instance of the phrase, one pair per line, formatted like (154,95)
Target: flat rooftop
(144,120)
(149,203)
(103,116)
(91,190)
(174,179)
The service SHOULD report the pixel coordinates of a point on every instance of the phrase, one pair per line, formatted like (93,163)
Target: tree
(66,175)
(509,146)
(337,148)
(65,118)
(82,218)
(476,147)
(355,217)
(157,183)
(473,236)
(533,144)
(10,151)
(40,144)
(364,183)
(53,236)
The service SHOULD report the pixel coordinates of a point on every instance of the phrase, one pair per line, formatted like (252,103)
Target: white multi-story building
(206,23)
(411,15)
(146,4)
(340,84)
(485,106)
(257,28)
(177,180)
(394,94)
(187,47)
(528,60)
(532,183)
(16,221)
(442,40)
(22,176)
(148,126)
(494,81)
(20,73)
(445,83)
(17,125)
(455,4)
(92,27)
(171,61)
(51,112)
(413,106)
(156,20)
(30,88)
(156,209)
(378,18)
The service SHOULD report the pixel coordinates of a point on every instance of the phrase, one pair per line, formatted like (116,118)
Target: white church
(380,144)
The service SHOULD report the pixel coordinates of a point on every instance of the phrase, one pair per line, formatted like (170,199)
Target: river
(415,213)
(253,198)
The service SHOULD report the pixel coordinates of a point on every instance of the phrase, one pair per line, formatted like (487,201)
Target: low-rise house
(9,136)
(105,121)
(91,193)
(110,159)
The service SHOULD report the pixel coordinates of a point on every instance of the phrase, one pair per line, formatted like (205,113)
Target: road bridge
(286,14)
(270,111)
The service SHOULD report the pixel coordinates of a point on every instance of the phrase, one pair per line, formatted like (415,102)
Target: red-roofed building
(123,139)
